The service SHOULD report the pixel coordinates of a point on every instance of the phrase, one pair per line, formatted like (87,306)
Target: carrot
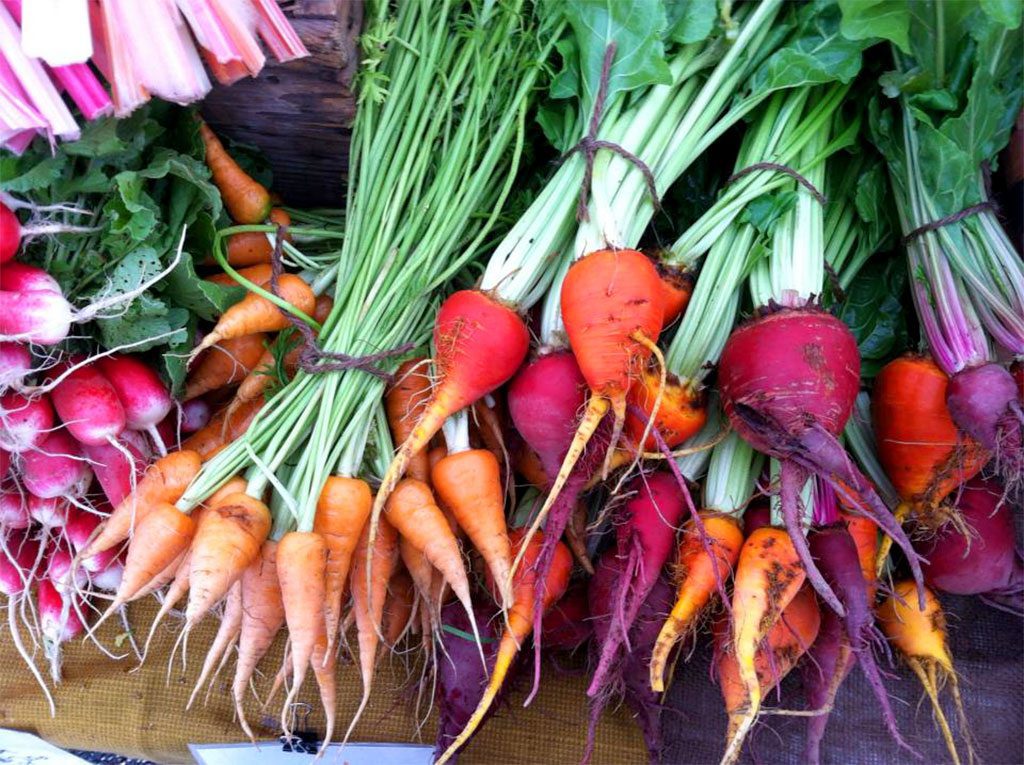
(222,429)
(420,571)
(256,382)
(865,536)
(246,200)
(612,310)
(341,513)
(469,484)
(262,619)
(528,464)
(479,342)
(412,511)
(227,541)
(227,634)
(768,576)
(227,363)
(682,410)
(920,636)
(251,248)
(698,576)
(923,452)
(324,662)
(233,485)
(301,561)
(398,610)
(368,602)
(404,403)
(785,642)
(254,313)
(576,537)
(487,424)
(258,275)
(520,621)
(164,481)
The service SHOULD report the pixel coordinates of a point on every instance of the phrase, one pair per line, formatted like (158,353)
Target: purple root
(824,669)
(623,615)
(977,398)
(791,478)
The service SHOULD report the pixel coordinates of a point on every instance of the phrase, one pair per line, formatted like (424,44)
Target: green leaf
(635,27)
(205,299)
(98,138)
(690,21)
(871,19)
(1005,12)
(131,212)
(983,128)
(874,311)
(175,358)
(948,171)
(20,179)
(764,212)
(148,323)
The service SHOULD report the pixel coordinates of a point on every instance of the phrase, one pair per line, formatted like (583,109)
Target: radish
(12,232)
(644,540)
(58,621)
(63,573)
(57,467)
(14,511)
(628,675)
(21,277)
(191,416)
(984,561)
(24,421)
(48,512)
(107,578)
(88,404)
(15,364)
(118,465)
(79,530)
(5,464)
(17,562)
(142,393)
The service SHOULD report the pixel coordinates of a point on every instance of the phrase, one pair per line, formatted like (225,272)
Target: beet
(567,625)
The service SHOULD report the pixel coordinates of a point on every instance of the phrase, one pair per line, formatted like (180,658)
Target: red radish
(195,414)
(43,318)
(61,571)
(15,364)
(48,512)
(141,392)
(18,557)
(612,310)
(108,578)
(788,380)
(24,421)
(12,232)
(984,560)
(14,510)
(88,404)
(5,464)
(21,277)
(644,541)
(628,676)
(79,529)
(479,343)
(118,465)
(57,467)
(58,621)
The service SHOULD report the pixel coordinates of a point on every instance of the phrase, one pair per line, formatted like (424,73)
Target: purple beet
(460,677)
(568,625)
(628,675)
(984,562)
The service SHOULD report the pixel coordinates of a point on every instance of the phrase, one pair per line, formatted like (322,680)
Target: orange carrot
(341,513)
(469,484)
(576,537)
(786,641)
(698,577)
(227,634)
(254,313)
(520,621)
(222,429)
(258,275)
(250,248)
(920,636)
(227,541)
(528,464)
(404,403)
(923,452)
(227,363)
(324,666)
(865,536)
(412,511)
(612,310)
(398,610)
(368,602)
(301,560)
(682,410)
(164,481)
(246,200)
(262,619)
(768,576)
(487,426)
(420,571)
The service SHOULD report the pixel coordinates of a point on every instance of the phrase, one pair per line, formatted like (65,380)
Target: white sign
(271,753)
(18,748)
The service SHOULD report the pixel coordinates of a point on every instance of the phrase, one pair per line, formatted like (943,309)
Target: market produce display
(643,325)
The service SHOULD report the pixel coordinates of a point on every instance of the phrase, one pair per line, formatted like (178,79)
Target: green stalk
(732,472)
(860,439)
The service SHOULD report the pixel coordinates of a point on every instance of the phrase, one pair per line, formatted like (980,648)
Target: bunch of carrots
(684,441)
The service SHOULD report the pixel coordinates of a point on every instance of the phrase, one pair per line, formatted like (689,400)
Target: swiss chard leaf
(690,21)
(764,212)
(868,19)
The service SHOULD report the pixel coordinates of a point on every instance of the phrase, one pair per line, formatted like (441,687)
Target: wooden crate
(300,113)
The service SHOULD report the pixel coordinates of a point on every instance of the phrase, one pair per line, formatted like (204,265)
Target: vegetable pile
(743,365)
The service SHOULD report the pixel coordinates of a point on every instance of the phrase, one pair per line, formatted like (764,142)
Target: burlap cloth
(103,706)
